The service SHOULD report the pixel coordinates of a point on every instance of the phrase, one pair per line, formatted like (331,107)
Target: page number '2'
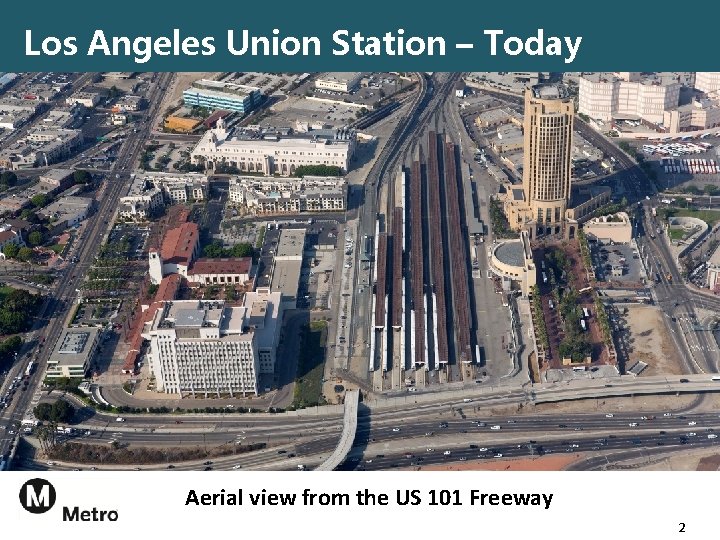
(682,527)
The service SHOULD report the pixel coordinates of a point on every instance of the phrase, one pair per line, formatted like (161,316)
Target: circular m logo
(37,496)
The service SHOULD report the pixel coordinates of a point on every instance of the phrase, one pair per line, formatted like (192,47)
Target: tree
(24,254)
(242,250)
(8,348)
(317,170)
(82,177)
(60,411)
(8,178)
(35,238)
(11,250)
(39,200)
(711,190)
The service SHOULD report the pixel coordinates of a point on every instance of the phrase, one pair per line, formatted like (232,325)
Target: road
(54,312)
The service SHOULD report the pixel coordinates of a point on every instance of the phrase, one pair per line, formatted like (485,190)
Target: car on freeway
(443,424)
(609,415)
(692,434)
(483,449)
(692,423)
(495,427)
(396,429)
(667,414)
(463,458)
(633,424)
(578,428)
(429,433)
(429,450)
(119,419)
(712,436)
(447,453)
(511,421)
(498,455)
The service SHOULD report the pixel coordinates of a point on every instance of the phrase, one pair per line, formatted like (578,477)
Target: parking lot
(616,262)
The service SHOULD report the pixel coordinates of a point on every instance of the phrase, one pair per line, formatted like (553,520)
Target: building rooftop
(179,243)
(550,91)
(56,175)
(291,243)
(234,265)
(74,346)
(221,88)
(511,253)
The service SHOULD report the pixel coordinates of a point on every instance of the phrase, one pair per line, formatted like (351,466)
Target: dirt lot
(544,463)
(702,459)
(650,341)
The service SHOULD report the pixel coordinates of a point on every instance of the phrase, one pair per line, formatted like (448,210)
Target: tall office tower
(548,129)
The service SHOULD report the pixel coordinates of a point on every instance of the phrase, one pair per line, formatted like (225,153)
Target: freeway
(52,316)
(602,445)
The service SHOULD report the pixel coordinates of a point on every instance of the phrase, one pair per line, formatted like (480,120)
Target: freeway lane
(668,442)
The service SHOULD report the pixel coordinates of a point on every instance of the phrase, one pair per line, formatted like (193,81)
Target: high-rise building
(204,347)
(548,130)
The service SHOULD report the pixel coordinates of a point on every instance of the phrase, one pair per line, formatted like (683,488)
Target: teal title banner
(293,36)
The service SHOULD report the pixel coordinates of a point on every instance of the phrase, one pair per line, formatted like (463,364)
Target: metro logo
(37,496)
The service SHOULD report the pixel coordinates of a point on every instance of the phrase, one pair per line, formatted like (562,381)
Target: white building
(604,96)
(700,114)
(276,195)
(223,271)
(203,347)
(707,81)
(67,211)
(150,191)
(273,151)
(9,236)
(87,99)
(338,81)
(264,316)
(73,353)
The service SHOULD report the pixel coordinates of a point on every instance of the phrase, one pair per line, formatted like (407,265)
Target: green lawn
(676,234)
(311,365)
(4,291)
(708,216)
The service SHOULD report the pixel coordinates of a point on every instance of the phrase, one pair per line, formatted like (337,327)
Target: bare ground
(650,341)
(543,463)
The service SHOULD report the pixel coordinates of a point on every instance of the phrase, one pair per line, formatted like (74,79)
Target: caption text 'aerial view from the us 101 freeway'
(359,271)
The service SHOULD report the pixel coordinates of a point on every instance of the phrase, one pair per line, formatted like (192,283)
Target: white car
(119,419)
(396,429)
(692,434)
(429,450)
(633,424)
(609,415)
(712,436)
(693,423)
(236,467)
(483,449)
(667,414)
(498,455)
(495,428)
(447,453)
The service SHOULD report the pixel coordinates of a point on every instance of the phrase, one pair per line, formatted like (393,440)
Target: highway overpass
(350,421)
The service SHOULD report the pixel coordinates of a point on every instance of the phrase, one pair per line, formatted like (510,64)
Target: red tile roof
(235,265)
(179,243)
(167,291)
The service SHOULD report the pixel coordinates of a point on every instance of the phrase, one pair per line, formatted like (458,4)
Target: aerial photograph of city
(359,271)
